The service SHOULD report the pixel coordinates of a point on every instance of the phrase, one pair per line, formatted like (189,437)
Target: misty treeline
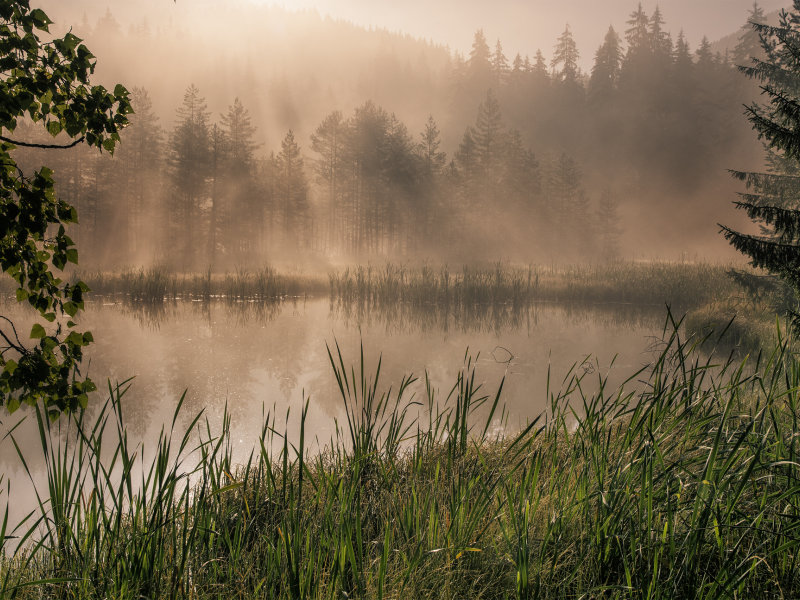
(201,194)
(649,120)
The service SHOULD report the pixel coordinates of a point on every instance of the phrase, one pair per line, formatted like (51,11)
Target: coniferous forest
(423,153)
(268,203)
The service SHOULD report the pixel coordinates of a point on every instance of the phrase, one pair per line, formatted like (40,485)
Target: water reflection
(249,356)
(498,319)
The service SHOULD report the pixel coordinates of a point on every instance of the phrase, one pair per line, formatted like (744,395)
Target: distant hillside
(289,68)
(729,41)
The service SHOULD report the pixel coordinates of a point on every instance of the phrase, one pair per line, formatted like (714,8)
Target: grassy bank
(682,484)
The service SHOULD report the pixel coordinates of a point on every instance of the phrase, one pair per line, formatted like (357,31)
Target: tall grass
(656,282)
(158,282)
(683,483)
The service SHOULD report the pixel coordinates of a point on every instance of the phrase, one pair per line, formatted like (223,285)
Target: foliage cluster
(45,82)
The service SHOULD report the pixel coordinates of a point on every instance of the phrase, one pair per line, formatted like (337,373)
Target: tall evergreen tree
(605,72)
(189,153)
(328,142)
(480,73)
(499,67)
(138,183)
(749,44)
(489,143)
(638,34)
(773,199)
(242,215)
(566,55)
(292,192)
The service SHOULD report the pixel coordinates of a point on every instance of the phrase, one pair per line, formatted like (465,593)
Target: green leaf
(22,295)
(10,367)
(75,338)
(51,316)
(13,404)
(72,255)
(37,332)
(70,308)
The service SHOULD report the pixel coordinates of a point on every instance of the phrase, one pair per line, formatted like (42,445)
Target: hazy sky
(525,25)
(522,25)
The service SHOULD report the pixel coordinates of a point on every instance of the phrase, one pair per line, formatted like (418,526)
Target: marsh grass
(680,284)
(158,283)
(682,483)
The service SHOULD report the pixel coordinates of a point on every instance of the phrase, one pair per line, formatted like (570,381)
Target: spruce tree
(750,42)
(566,54)
(242,218)
(189,154)
(480,74)
(499,66)
(327,141)
(638,34)
(292,191)
(773,199)
(605,72)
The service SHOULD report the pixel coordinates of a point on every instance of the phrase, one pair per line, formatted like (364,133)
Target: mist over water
(283,135)
(252,358)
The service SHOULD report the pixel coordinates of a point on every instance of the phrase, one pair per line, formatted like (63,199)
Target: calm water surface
(258,358)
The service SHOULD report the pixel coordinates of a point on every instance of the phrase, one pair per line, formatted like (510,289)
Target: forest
(273,203)
(542,156)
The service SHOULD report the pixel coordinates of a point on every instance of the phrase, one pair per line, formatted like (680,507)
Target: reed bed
(682,284)
(158,283)
(683,483)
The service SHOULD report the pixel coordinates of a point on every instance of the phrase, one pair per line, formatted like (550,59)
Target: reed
(159,283)
(681,284)
(684,486)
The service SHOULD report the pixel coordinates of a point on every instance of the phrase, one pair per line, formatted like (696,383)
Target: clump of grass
(680,284)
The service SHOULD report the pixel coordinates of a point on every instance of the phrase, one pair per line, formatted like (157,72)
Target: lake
(257,358)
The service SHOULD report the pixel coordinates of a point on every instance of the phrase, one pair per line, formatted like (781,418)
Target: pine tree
(138,183)
(566,54)
(488,134)
(328,141)
(499,66)
(480,74)
(431,165)
(539,76)
(189,154)
(705,58)
(638,34)
(773,199)
(292,192)
(605,72)
(660,44)
(242,214)
(608,227)
(749,44)
(684,65)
